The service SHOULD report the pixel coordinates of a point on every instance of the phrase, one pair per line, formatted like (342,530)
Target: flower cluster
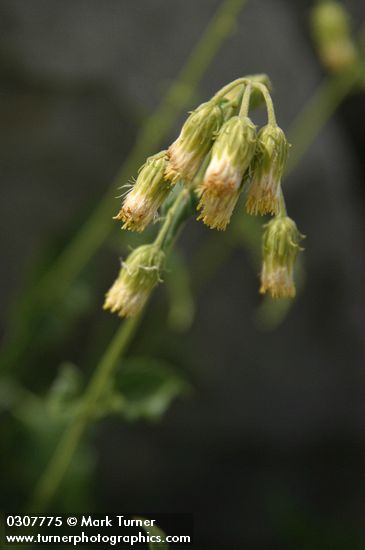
(217,155)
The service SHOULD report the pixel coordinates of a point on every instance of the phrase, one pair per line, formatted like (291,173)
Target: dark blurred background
(268,448)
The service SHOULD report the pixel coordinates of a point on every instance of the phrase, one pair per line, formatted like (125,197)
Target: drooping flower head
(231,156)
(187,152)
(139,274)
(279,249)
(142,202)
(331,29)
(271,156)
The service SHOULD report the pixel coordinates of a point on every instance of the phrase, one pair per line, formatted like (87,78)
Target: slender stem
(259,78)
(229,87)
(55,283)
(163,234)
(282,205)
(68,443)
(269,103)
(245,105)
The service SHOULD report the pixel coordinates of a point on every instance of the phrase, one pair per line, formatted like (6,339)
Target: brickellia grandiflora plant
(218,155)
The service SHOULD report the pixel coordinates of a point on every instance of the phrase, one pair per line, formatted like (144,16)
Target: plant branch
(55,471)
(96,229)
(57,467)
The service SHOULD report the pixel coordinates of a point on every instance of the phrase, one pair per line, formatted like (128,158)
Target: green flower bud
(232,153)
(272,152)
(187,153)
(140,273)
(332,35)
(279,249)
(141,204)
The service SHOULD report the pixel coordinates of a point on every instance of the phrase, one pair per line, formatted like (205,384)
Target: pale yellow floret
(278,281)
(219,192)
(182,164)
(264,195)
(139,274)
(125,300)
(138,210)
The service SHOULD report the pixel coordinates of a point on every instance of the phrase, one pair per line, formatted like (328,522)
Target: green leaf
(49,413)
(65,391)
(155,531)
(147,387)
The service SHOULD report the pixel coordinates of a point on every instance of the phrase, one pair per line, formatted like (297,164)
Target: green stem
(229,87)
(172,222)
(269,103)
(67,446)
(245,105)
(55,283)
(68,443)
(282,205)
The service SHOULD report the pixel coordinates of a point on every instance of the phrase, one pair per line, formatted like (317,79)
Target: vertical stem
(282,205)
(68,443)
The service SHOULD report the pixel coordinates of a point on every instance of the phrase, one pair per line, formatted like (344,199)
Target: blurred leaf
(41,422)
(10,393)
(182,309)
(48,414)
(145,388)
(155,532)
(32,413)
(62,399)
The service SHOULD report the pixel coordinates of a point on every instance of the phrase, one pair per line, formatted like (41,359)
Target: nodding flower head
(331,31)
(272,152)
(142,202)
(280,248)
(139,274)
(221,185)
(188,151)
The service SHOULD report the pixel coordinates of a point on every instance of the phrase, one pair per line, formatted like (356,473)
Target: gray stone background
(274,437)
